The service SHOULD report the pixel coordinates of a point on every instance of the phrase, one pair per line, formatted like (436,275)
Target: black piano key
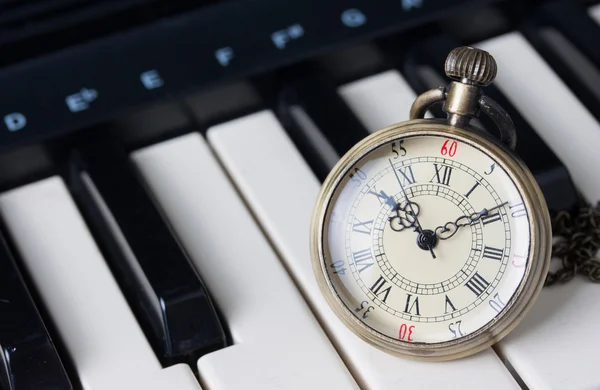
(315,93)
(29,359)
(318,96)
(579,32)
(574,22)
(417,77)
(163,289)
(550,173)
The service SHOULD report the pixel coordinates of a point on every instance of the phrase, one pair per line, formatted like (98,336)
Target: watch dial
(427,239)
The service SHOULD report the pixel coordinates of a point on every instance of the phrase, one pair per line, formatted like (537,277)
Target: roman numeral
(378,289)
(408,177)
(412,304)
(491,218)
(363,259)
(477,284)
(518,210)
(442,174)
(472,189)
(383,197)
(362,227)
(493,253)
(448,303)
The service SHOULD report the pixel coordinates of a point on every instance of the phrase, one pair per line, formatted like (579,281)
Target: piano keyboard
(171,252)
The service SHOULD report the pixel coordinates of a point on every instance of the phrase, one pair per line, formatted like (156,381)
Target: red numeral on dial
(405,332)
(519,261)
(449,150)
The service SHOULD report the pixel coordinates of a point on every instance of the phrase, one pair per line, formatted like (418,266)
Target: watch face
(426,239)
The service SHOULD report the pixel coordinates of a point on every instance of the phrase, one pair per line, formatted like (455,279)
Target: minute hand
(449,229)
(418,225)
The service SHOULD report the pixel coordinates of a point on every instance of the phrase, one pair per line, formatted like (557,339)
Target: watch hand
(418,226)
(462,221)
(407,221)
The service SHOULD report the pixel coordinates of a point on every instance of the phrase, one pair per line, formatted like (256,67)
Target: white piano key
(271,174)
(108,348)
(380,100)
(594,12)
(277,341)
(555,346)
(550,106)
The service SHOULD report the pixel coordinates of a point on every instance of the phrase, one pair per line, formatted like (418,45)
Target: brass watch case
(535,270)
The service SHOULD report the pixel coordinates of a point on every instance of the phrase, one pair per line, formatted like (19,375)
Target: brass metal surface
(462,99)
(471,66)
(426,100)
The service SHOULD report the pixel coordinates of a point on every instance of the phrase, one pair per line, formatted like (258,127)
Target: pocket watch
(430,238)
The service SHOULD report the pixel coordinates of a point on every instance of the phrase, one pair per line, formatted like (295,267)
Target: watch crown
(474,65)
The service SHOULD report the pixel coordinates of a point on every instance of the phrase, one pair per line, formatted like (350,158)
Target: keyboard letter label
(280,38)
(81,100)
(224,55)
(151,79)
(15,121)
(407,5)
(353,17)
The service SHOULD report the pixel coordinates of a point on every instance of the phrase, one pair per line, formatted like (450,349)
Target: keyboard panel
(73,92)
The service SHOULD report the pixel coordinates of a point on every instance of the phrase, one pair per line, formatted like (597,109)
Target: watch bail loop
(471,69)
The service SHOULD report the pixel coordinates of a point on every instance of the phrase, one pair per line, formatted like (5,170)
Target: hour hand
(405,216)
(449,229)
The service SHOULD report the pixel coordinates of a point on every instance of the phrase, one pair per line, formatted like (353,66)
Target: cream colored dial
(427,239)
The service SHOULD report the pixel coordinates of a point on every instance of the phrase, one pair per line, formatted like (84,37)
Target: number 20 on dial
(433,251)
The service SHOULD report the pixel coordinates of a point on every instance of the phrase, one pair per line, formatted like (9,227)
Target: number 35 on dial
(425,243)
